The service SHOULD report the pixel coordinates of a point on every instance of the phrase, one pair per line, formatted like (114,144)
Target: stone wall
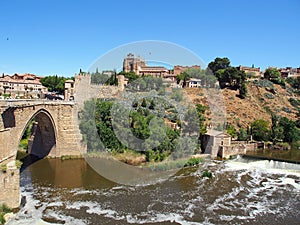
(84,90)
(236,148)
(10,185)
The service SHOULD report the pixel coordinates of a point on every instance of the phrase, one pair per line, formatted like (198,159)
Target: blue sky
(60,37)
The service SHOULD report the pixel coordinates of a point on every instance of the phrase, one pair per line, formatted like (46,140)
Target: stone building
(289,72)
(138,65)
(22,86)
(212,142)
(217,143)
(132,63)
(251,71)
(180,69)
(69,90)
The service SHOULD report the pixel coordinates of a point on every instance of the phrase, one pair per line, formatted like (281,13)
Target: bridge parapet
(4,104)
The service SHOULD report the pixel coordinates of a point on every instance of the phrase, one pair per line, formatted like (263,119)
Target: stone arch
(43,139)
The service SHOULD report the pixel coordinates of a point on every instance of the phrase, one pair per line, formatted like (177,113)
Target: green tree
(54,83)
(290,131)
(99,78)
(231,77)
(243,90)
(183,77)
(219,63)
(298,119)
(201,109)
(260,130)
(242,134)
(271,73)
(113,80)
(231,130)
(294,82)
(276,130)
(131,76)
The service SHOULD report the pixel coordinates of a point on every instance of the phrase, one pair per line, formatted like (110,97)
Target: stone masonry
(59,135)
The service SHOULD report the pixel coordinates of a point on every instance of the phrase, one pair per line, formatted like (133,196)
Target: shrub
(294,102)
(18,164)
(207,173)
(24,144)
(3,210)
(192,162)
(269,96)
(231,131)
(2,220)
(4,168)
(285,109)
(279,81)
(155,156)
(177,94)
(264,83)
(260,130)
(242,135)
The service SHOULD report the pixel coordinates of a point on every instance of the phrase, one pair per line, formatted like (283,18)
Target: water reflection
(75,173)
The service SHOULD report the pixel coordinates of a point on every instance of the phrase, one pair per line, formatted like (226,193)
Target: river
(242,191)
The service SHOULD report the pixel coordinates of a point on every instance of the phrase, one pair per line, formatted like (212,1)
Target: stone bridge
(56,129)
(57,134)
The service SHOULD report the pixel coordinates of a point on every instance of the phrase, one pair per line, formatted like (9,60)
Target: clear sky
(48,37)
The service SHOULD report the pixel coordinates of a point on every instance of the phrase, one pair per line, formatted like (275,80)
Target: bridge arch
(43,138)
(57,132)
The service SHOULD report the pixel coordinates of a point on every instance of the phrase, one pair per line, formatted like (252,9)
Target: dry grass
(131,157)
(242,112)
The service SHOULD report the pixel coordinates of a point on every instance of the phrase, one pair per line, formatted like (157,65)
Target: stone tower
(133,64)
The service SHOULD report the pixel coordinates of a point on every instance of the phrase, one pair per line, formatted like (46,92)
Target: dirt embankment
(258,104)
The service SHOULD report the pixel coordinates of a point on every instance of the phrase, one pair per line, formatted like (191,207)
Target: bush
(192,162)
(177,95)
(264,83)
(4,168)
(3,210)
(2,220)
(269,96)
(260,130)
(279,81)
(285,109)
(24,144)
(207,173)
(294,102)
(231,131)
(18,164)
(155,156)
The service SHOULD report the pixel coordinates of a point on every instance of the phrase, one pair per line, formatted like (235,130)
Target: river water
(242,191)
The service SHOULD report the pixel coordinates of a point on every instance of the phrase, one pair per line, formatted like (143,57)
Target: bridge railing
(28,102)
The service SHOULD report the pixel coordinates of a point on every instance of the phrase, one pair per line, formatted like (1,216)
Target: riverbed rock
(9,216)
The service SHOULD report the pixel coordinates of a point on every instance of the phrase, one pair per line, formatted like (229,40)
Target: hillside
(262,98)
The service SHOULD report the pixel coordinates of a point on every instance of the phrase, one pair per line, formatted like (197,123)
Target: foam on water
(267,166)
(267,180)
(254,188)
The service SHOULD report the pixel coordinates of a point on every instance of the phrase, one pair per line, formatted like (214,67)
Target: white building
(22,86)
